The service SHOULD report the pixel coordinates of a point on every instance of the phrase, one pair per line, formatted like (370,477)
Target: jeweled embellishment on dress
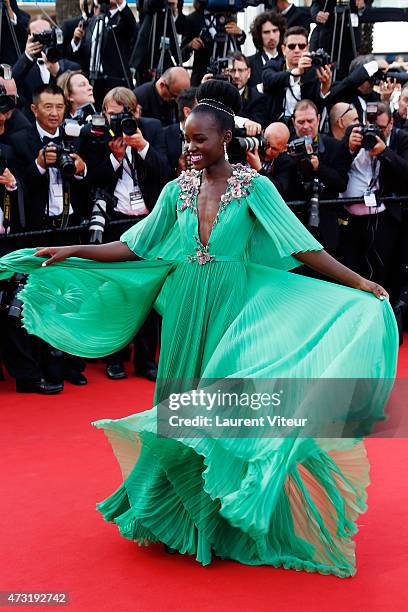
(238,187)
(202,255)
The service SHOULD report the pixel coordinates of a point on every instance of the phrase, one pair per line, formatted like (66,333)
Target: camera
(98,217)
(123,123)
(64,162)
(369,134)
(319,58)
(7,102)
(10,301)
(301,149)
(382,75)
(51,40)
(220,68)
(241,143)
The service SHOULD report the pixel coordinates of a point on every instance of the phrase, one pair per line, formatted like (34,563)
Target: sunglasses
(292,46)
(350,108)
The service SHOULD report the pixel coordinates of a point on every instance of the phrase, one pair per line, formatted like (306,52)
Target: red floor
(55,466)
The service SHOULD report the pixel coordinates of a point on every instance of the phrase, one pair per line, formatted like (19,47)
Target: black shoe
(38,386)
(115,371)
(171,551)
(150,374)
(76,378)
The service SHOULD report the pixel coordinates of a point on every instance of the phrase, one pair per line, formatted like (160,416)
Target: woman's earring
(225,151)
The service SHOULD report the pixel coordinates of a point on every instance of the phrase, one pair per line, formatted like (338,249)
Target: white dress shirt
(125,186)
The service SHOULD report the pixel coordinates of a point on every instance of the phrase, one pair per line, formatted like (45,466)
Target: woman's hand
(55,253)
(371,287)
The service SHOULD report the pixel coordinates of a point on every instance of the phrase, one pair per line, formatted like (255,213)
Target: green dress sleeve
(158,235)
(278,233)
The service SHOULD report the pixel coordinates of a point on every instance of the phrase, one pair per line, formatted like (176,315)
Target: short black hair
(187,97)
(240,57)
(295,31)
(256,26)
(49,88)
(223,95)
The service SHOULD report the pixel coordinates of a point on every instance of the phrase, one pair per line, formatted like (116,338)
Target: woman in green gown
(213,258)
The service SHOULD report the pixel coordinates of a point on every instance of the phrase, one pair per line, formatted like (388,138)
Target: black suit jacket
(334,164)
(281,173)
(173,140)
(8,52)
(26,145)
(27,75)
(394,169)
(346,91)
(122,26)
(257,62)
(254,105)
(275,81)
(298,16)
(152,172)
(153,106)
(68,29)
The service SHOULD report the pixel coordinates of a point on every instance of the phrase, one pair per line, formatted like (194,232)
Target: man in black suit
(70,25)
(273,161)
(327,162)
(401,113)
(358,87)
(158,99)
(33,69)
(13,33)
(174,133)
(103,48)
(293,78)
(371,235)
(294,15)
(132,169)
(254,103)
(209,34)
(267,32)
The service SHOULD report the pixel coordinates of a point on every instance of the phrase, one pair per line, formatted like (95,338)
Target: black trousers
(371,245)
(147,339)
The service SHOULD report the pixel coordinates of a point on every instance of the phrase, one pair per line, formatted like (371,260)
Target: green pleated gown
(230,309)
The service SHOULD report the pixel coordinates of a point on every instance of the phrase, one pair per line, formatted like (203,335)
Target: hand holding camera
(47,156)
(253,159)
(118,148)
(7,179)
(355,139)
(324,74)
(305,62)
(33,48)
(136,140)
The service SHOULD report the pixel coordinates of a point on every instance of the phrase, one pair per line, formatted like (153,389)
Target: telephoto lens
(98,218)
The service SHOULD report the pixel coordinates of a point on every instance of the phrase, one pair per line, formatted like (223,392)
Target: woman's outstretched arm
(112,251)
(324,263)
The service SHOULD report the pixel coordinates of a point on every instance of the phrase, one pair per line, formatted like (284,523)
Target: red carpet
(55,466)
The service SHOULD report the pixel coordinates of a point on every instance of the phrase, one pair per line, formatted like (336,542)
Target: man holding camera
(13,33)
(296,77)
(39,65)
(321,163)
(371,229)
(207,35)
(132,168)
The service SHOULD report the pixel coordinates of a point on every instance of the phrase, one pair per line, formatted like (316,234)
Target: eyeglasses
(292,46)
(173,95)
(350,108)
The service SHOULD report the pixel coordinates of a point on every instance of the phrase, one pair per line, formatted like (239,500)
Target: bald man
(276,163)
(342,115)
(159,99)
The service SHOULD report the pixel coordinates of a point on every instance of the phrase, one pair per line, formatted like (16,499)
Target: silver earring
(225,151)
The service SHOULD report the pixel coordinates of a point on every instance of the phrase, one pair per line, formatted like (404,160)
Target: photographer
(294,15)
(103,48)
(132,169)
(275,163)
(400,116)
(371,230)
(209,34)
(12,119)
(320,157)
(159,99)
(267,32)
(342,115)
(39,65)
(295,77)
(253,102)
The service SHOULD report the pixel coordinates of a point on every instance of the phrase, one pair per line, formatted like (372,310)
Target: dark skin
(206,146)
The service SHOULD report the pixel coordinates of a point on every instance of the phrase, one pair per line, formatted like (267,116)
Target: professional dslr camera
(10,302)
(370,131)
(220,68)
(400,76)
(319,58)
(51,40)
(241,143)
(65,163)
(123,123)
(7,102)
(301,149)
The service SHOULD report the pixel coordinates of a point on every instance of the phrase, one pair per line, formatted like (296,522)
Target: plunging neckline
(216,217)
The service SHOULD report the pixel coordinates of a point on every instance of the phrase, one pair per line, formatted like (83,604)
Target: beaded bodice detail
(238,187)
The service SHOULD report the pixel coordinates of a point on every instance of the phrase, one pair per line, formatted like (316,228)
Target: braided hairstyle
(219,99)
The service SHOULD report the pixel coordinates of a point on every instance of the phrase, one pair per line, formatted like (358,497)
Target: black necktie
(46,140)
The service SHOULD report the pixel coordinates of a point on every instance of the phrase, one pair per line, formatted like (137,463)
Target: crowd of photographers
(91,128)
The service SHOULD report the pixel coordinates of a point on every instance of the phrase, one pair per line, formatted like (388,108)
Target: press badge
(370,199)
(354,20)
(137,203)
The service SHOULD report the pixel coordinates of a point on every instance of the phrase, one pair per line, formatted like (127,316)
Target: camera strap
(137,203)
(66,202)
